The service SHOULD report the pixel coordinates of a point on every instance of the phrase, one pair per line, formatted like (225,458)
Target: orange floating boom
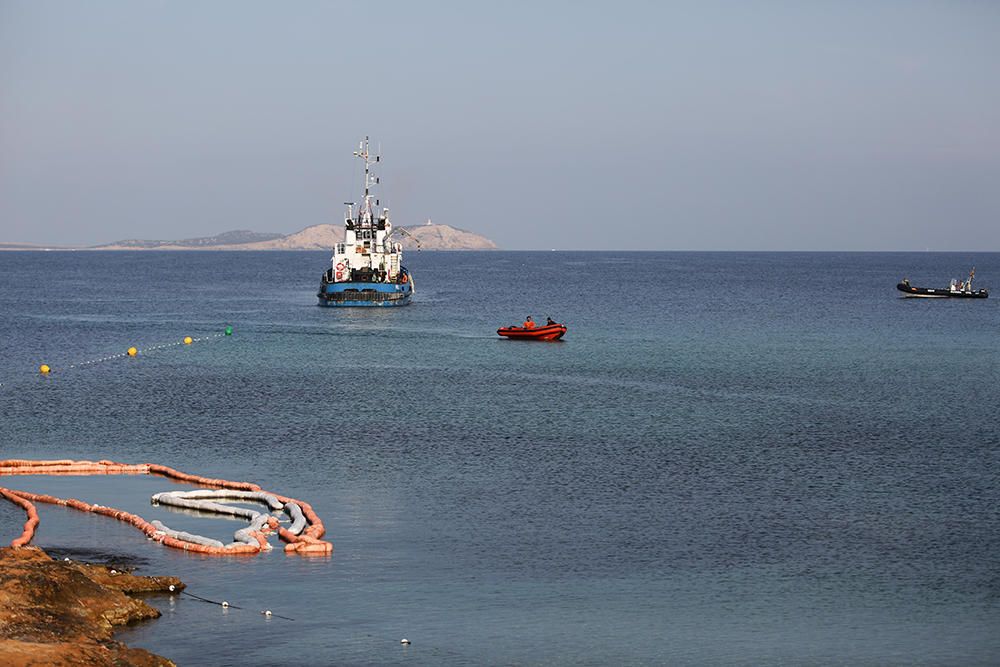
(306,543)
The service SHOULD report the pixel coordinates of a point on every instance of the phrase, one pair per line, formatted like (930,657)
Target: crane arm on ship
(415,239)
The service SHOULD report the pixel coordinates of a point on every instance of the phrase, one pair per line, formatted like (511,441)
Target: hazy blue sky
(631,125)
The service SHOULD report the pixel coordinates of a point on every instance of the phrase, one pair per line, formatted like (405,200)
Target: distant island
(429,236)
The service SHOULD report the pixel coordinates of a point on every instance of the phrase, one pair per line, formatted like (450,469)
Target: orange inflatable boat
(547,332)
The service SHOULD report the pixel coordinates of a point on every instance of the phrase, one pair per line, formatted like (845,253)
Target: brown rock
(62,613)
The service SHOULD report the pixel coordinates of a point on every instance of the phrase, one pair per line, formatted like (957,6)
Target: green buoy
(229,331)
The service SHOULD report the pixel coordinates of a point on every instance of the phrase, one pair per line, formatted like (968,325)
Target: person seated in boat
(529,323)
(549,321)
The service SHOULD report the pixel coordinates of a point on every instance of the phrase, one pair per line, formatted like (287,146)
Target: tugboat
(367,268)
(957,289)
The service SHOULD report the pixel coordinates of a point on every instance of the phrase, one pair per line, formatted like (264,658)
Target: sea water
(731,459)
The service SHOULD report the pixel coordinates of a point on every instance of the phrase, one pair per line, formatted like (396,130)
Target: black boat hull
(942,293)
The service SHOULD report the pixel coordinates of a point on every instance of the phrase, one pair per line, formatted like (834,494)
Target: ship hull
(364,295)
(942,293)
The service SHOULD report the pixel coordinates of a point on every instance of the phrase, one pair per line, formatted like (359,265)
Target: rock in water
(64,613)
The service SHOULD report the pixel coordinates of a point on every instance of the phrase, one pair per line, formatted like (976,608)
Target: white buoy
(170,588)
(404,641)
(114,571)
(267,612)
(225,604)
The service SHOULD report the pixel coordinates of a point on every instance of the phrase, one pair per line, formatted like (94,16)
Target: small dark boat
(959,290)
(547,332)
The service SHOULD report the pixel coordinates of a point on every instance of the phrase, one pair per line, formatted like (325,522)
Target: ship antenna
(362,153)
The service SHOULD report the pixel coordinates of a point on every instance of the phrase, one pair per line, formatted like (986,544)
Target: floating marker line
(270,614)
(223,604)
(226,605)
(133,351)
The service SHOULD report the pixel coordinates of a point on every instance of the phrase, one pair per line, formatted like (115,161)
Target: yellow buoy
(43,369)
(188,340)
(132,352)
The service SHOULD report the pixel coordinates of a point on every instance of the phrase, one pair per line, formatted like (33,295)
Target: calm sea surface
(733,458)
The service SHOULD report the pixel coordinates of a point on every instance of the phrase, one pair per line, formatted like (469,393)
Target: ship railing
(352,295)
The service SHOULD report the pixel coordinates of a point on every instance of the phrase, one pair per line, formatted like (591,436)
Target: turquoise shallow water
(734,458)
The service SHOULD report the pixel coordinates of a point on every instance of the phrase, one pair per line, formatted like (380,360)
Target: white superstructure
(368,253)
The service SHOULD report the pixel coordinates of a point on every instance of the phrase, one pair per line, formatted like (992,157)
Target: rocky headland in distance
(430,236)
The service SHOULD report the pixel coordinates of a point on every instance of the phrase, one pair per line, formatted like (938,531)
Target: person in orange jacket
(529,323)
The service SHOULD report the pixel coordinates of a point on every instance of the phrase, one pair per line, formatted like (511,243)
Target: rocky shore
(64,613)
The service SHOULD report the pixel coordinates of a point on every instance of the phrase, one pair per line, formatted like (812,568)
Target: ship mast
(365,212)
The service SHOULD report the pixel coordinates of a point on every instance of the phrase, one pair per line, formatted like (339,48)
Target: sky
(703,125)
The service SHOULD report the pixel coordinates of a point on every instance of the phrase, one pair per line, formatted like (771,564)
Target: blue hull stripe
(377,295)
